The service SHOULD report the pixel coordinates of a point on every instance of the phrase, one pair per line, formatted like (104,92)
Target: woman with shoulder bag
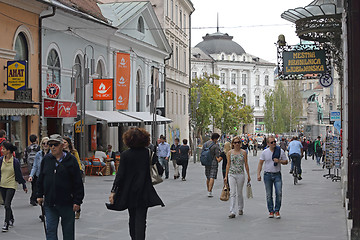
(237,163)
(132,188)
(10,175)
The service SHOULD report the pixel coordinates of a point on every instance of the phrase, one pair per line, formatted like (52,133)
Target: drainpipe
(40,67)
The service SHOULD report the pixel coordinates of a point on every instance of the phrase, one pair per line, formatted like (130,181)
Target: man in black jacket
(60,188)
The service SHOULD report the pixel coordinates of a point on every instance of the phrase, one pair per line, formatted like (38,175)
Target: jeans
(67,216)
(296,159)
(184,168)
(8,195)
(318,158)
(137,223)
(271,179)
(236,184)
(165,164)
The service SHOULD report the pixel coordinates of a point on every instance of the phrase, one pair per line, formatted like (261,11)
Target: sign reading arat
(304,62)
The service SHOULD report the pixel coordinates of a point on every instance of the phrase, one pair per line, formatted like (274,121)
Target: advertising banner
(67,109)
(122,81)
(304,62)
(93,138)
(16,75)
(103,89)
(50,108)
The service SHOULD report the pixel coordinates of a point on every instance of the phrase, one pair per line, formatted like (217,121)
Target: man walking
(211,171)
(60,188)
(305,147)
(164,154)
(175,155)
(272,176)
(29,158)
(295,149)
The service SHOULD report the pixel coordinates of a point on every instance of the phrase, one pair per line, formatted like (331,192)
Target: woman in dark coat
(132,188)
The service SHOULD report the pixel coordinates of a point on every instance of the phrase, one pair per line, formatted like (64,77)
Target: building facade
(246,75)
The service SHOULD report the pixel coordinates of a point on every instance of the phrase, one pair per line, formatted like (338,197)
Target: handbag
(225,193)
(249,193)
(154,174)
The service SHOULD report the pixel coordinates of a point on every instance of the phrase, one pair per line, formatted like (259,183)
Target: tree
(282,108)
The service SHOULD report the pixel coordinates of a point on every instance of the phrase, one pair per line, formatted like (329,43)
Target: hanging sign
(53,90)
(304,62)
(78,128)
(103,89)
(67,109)
(50,108)
(16,75)
(122,81)
(93,138)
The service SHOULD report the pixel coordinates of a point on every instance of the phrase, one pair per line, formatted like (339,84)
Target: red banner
(122,80)
(93,138)
(50,108)
(103,89)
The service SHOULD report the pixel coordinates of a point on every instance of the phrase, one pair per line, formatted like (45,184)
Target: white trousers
(236,184)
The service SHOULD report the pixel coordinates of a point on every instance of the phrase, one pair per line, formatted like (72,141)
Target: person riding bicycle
(295,149)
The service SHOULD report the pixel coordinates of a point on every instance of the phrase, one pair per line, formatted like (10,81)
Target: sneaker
(210,194)
(232,215)
(183,179)
(299,177)
(277,215)
(241,212)
(5,228)
(271,215)
(77,215)
(291,172)
(11,223)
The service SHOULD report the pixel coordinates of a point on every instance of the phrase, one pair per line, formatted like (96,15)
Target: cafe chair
(98,168)
(88,166)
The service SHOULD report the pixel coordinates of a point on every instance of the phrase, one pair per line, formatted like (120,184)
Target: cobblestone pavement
(310,210)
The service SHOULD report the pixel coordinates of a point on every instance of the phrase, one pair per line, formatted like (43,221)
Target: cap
(55,138)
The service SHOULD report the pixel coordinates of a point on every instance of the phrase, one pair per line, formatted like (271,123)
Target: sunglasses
(44,143)
(272,142)
(236,142)
(53,144)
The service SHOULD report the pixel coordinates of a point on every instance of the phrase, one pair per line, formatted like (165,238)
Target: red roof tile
(86,6)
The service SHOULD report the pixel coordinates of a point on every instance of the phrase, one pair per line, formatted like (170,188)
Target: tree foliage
(283,107)
(212,106)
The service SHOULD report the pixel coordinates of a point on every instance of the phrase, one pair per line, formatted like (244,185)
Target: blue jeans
(271,179)
(296,159)
(165,164)
(67,216)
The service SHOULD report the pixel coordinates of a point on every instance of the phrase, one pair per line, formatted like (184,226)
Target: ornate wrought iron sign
(303,61)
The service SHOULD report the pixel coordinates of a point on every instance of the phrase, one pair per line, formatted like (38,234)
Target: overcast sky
(248,21)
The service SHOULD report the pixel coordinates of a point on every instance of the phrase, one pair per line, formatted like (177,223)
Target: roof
(119,12)
(220,43)
(86,6)
(198,54)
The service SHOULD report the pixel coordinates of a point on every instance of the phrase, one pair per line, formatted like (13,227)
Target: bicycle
(295,172)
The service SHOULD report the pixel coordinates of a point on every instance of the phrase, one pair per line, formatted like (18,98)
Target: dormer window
(233,58)
(140,25)
(244,59)
(222,57)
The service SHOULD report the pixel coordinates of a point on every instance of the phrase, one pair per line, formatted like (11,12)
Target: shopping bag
(249,193)
(225,193)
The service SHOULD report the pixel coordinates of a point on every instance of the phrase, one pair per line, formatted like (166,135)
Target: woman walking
(10,173)
(184,158)
(132,188)
(235,174)
(68,147)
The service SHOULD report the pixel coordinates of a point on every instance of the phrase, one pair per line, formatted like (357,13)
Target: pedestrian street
(310,210)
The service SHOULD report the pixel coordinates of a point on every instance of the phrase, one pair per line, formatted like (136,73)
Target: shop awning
(18,111)
(113,118)
(147,117)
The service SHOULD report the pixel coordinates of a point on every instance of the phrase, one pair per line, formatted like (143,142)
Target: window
(222,57)
(177,58)
(233,78)
(184,23)
(266,80)
(244,99)
(168,102)
(172,102)
(330,106)
(167,7)
(244,58)
(75,85)
(140,25)
(233,58)
(222,77)
(172,59)
(185,61)
(180,20)
(177,103)
(194,75)
(53,63)
(257,83)
(304,86)
(257,101)
(184,104)
(311,86)
(172,10)
(21,49)
(243,79)
(176,14)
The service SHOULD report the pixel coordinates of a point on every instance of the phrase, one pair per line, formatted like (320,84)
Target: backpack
(31,153)
(205,157)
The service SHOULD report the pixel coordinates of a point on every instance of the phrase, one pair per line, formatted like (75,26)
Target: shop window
(53,62)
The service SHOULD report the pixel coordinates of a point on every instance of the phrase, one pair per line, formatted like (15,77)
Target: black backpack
(205,157)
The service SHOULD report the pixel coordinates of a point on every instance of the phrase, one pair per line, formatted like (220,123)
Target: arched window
(100,72)
(138,92)
(21,48)
(140,25)
(244,99)
(75,85)
(53,63)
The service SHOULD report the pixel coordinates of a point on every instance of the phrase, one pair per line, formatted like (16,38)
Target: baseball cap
(55,138)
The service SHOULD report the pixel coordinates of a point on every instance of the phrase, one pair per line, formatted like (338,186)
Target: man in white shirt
(272,176)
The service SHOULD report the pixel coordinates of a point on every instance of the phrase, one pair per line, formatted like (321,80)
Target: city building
(246,75)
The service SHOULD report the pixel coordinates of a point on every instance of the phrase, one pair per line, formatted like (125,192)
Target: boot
(5,228)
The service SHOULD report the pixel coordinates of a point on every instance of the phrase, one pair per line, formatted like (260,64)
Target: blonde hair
(43,140)
(227,147)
